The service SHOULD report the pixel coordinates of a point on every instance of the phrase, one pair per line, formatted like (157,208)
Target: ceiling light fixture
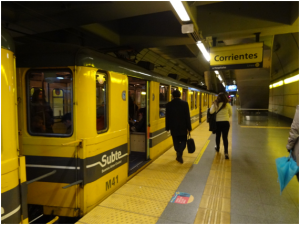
(280,83)
(180,10)
(216,72)
(291,79)
(203,50)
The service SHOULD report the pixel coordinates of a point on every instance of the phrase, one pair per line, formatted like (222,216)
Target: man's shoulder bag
(190,144)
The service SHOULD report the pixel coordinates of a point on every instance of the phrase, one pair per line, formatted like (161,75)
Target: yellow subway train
(86,122)
(13,171)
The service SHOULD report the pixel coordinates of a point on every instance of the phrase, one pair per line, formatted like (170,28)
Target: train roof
(7,41)
(60,55)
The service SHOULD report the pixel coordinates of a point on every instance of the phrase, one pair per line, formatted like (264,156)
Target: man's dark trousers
(179,144)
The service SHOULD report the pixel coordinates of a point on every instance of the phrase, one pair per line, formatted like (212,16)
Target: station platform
(206,188)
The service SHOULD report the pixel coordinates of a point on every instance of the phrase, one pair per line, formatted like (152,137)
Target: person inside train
(37,125)
(224,111)
(133,108)
(67,120)
(140,125)
(40,107)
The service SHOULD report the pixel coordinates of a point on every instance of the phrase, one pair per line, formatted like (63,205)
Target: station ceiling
(129,27)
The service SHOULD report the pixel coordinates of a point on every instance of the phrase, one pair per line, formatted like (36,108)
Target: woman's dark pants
(222,128)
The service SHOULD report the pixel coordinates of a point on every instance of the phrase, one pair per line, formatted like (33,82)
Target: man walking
(179,122)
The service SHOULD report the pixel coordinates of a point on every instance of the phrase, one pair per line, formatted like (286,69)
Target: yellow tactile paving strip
(104,215)
(267,127)
(214,207)
(143,198)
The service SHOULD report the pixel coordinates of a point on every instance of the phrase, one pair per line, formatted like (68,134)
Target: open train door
(138,111)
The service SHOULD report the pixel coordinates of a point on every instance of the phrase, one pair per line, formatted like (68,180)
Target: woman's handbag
(190,144)
(211,119)
(286,169)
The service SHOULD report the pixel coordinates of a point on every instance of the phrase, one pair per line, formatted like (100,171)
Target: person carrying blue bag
(293,140)
(288,167)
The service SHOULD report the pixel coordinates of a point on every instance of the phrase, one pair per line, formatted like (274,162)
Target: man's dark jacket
(178,118)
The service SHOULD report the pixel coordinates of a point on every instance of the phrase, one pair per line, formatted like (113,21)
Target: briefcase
(191,144)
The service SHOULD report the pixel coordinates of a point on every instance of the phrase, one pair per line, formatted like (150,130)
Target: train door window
(49,102)
(184,94)
(204,99)
(207,99)
(101,101)
(163,99)
(192,99)
(196,100)
(58,103)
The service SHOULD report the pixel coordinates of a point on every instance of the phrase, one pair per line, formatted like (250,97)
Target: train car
(13,176)
(89,122)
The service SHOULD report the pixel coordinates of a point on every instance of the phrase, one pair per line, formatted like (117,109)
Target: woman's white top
(224,113)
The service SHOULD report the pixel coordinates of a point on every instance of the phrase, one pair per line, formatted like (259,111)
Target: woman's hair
(35,96)
(222,98)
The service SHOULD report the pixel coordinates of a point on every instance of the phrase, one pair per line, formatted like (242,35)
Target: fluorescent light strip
(280,83)
(203,50)
(291,79)
(180,10)
(216,72)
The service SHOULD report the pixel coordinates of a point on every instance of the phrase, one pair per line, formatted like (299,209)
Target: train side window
(196,100)
(101,101)
(163,99)
(192,99)
(184,94)
(49,102)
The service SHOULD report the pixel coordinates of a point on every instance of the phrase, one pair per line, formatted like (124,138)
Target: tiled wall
(283,99)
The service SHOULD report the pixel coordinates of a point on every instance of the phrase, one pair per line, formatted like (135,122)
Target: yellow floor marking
(214,207)
(137,205)
(201,153)
(265,127)
(146,192)
(104,215)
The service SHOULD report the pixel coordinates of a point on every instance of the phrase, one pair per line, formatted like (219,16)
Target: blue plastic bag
(286,169)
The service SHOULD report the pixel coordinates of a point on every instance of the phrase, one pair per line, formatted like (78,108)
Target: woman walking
(224,111)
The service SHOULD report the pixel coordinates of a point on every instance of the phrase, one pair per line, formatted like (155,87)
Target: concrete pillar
(211,81)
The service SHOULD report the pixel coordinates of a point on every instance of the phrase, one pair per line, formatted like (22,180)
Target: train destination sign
(237,56)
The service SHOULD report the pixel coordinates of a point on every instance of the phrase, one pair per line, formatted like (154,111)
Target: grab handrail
(41,177)
(70,185)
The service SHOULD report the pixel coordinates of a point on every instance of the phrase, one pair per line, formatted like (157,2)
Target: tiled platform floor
(242,190)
